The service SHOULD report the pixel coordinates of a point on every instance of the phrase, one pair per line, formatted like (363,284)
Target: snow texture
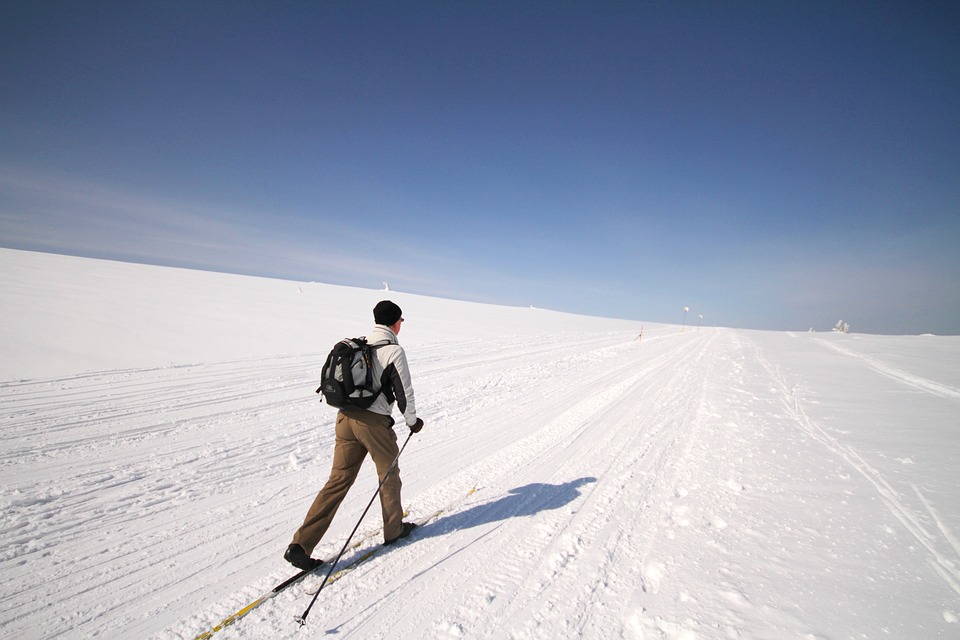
(161,442)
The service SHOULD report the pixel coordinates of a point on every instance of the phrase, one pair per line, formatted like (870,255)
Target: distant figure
(363,431)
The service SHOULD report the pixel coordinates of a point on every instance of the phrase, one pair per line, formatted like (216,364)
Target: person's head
(388,314)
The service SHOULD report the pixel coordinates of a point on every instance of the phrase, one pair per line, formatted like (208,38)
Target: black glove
(416,426)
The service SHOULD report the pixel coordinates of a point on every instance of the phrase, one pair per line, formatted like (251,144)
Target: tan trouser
(358,433)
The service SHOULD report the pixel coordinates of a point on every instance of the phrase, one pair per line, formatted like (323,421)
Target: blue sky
(772,165)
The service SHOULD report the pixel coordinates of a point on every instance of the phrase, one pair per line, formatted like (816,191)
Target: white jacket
(391,368)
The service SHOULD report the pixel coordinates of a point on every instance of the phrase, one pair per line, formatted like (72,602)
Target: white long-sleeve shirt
(390,366)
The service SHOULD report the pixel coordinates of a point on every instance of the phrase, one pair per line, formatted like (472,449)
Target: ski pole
(393,465)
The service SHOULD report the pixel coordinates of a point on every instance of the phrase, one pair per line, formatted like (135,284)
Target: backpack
(359,388)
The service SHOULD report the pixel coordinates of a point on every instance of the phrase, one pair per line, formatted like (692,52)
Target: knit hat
(386,313)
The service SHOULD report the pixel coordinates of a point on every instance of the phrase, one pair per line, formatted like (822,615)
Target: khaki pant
(358,433)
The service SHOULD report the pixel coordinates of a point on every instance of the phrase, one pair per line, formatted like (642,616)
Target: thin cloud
(44,211)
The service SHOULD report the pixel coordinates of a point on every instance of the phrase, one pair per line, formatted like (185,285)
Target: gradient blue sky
(775,165)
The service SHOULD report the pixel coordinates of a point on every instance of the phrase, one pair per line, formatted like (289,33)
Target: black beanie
(386,313)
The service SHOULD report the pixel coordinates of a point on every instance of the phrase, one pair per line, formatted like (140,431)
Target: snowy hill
(161,442)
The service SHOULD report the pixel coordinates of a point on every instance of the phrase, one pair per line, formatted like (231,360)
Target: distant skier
(362,431)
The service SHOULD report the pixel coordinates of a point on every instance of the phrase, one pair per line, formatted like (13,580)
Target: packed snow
(162,441)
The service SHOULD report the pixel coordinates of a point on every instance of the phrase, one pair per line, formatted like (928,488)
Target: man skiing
(363,431)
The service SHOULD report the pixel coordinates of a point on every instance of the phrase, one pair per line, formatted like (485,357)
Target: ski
(286,584)
(353,564)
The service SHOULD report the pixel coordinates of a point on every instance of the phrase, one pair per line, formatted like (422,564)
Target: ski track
(99,432)
(944,553)
(551,462)
(610,472)
(909,379)
(125,504)
(561,510)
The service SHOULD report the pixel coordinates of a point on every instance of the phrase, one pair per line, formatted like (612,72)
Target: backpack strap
(369,379)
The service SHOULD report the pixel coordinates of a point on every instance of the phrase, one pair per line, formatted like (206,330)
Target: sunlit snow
(162,441)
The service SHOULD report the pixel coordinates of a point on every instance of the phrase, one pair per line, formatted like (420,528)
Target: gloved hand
(416,426)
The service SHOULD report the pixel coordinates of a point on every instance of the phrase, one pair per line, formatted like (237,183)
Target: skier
(363,431)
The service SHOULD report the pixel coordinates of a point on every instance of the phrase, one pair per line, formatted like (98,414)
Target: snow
(162,441)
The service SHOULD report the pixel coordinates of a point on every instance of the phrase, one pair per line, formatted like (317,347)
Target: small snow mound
(652,574)
(679,516)
(735,597)
(633,625)
(452,629)
(733,485)
(675,631)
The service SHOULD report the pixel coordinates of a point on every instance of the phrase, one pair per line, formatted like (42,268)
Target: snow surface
(162,441)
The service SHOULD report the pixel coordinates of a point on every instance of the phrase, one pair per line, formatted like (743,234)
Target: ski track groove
(562,535)
(909,379)
(792,398)
(602,427)
(646,453)
(122,411)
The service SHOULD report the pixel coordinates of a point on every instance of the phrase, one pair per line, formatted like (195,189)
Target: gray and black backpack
(347,378)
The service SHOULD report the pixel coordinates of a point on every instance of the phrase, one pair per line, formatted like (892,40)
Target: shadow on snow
(527,500)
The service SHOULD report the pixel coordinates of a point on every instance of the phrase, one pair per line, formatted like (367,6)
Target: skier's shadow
(527,500)
(522,501)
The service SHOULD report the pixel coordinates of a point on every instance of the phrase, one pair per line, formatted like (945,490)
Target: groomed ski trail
(551,510)
(711,484)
